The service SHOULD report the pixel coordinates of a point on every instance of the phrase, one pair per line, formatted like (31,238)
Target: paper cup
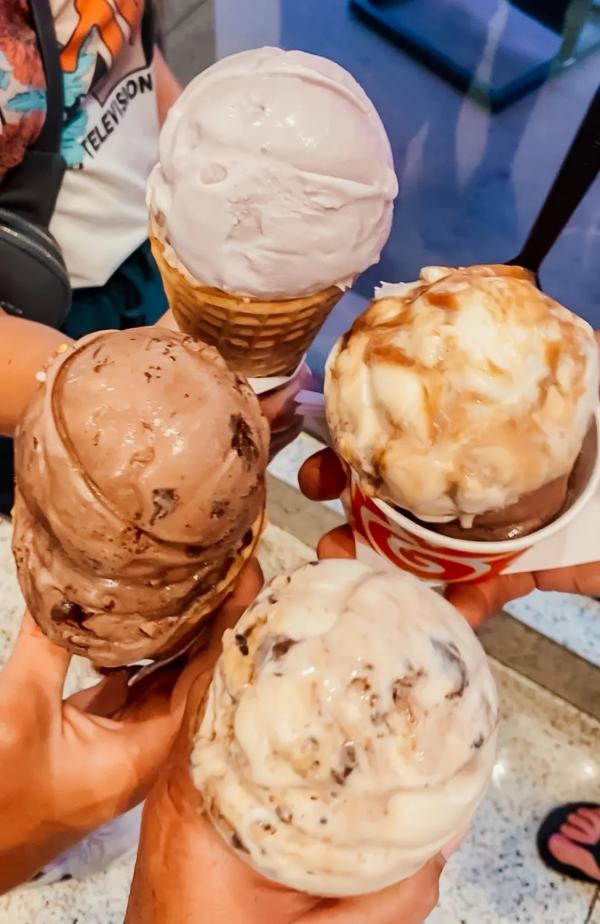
(439,559)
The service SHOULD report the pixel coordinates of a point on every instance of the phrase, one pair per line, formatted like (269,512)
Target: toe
(570,854)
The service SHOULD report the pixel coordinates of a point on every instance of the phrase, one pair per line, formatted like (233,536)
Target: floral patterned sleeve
(22,86)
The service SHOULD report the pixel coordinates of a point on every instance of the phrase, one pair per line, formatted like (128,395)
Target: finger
(410,902)
(283,437)
(477,602)
(132,745)
(338,543)
(150,724)
(247,588)
(104,698)
(582,579)
(38,662)
(322,477)
(280,401)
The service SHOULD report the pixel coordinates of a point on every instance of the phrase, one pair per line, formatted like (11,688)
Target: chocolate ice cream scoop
(532,511)
(140,492)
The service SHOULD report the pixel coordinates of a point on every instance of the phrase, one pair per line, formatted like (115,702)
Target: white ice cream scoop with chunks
(349,732)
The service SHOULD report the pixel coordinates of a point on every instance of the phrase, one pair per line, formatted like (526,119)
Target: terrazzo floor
(548,753)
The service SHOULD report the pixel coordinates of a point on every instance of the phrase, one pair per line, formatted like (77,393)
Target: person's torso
(110,135)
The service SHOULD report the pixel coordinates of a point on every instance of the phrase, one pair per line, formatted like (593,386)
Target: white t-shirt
(110,138)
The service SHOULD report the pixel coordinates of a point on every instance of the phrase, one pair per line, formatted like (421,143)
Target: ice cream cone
(172,634)
(121,554)
(257,338)
(190,624)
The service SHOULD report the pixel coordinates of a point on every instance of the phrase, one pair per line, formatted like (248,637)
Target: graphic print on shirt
(22,93)
(103,47)
(110,133)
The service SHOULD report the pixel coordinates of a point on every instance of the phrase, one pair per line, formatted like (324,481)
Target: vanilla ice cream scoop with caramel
(349,731)
(462,392)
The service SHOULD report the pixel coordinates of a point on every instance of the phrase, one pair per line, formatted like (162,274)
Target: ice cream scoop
(349,731)
(462,394)
(275,177)
(140,492)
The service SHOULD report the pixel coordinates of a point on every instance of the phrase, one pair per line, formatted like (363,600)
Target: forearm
(25,347)
(168,87)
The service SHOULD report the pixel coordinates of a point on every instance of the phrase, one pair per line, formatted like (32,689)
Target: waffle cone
(194,618)
(257,338)
(174,635)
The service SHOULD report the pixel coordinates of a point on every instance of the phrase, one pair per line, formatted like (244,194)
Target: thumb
(337,543)
(410,901)
(36,662)
(151,723)
(248,585)
(477,602)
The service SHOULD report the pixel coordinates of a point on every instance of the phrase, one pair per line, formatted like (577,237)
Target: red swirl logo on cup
(427,558)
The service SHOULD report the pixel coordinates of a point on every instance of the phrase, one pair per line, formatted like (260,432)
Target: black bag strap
(43,19)
(31,189)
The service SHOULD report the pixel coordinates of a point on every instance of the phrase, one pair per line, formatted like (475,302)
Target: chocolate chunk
(238,844)
(241,439)
(407,682)
(348,763)
(242,643)
(165,501)
(281,646)
(67,611)
(284,814)
(193,551)
(478,743)
(219,509)
(450,654)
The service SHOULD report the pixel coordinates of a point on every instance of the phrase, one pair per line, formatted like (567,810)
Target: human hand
(281,409)
(322,477)
(185,872)
(69,767)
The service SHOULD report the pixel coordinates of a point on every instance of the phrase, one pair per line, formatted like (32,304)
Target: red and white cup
(382,532)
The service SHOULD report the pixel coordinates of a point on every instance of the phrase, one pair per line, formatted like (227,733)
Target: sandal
(552,825)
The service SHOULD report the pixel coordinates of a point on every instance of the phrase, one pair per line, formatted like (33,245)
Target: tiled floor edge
(543,661)
(506,639)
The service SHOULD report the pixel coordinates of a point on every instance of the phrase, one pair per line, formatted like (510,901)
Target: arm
(25,347)
(168,87)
